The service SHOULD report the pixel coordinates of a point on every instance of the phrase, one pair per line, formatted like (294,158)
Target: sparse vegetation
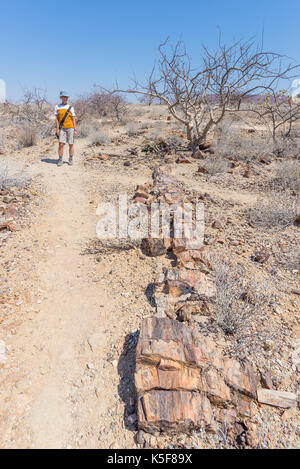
(215,165)
(132,129)
(99,138)
(200,97)
(27,136)
(33,115)
(10,179)
(233,142)
(287,176)
(100,103)
(3,176)
(239,300)
(88,127)
(276,211)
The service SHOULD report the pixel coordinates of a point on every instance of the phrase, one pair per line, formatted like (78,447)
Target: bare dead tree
(33,110)
(200,97)
(35,106)
(279,112)
(101,103)
(32,113)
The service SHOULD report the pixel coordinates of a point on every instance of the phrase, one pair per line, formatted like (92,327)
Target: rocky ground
(71,307)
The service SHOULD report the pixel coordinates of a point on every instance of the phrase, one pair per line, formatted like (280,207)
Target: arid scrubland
(243,288)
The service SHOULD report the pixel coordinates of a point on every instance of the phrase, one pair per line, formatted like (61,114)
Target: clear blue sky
(74,44)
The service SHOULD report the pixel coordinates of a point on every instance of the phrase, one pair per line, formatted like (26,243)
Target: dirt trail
(53,363)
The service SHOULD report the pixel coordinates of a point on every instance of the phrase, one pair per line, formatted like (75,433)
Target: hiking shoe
(70,160)
(60,162)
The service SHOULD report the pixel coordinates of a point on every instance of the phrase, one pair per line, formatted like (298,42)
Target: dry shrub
(215,165)
(231,142)
(11,179)
(33,115)
(132,129)
(88,127)
(287,176)
(157,133)
(27,136)
(100,103)
(276,210)
(145,125)
(3,177)
(99,138)
(239,300)
(124,120)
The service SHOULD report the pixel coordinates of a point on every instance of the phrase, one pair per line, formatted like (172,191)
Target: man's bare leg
(71,153)
(60,153)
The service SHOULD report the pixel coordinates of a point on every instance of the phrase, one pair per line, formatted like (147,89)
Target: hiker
(65,127)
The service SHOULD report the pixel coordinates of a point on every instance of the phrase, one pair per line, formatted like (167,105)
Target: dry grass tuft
(276,211)
(215,165)
(27,136)
(99,138)
(88,127)
(287,176)
(238,300)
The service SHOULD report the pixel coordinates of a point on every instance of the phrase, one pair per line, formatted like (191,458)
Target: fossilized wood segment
(176,367)
(281,399)
(174,411)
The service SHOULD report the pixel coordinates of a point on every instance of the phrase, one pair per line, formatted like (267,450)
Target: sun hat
(64,93)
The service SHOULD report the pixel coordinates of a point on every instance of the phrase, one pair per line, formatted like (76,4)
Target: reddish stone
(183,159)
(154,246)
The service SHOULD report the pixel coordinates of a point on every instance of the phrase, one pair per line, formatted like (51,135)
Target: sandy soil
(59,385)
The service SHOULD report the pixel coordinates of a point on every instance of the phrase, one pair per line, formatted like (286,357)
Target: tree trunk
(188,132)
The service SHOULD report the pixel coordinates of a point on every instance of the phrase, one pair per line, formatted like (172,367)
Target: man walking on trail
(65,127)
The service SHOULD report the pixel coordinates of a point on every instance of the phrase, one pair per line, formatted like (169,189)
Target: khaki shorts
(66,136)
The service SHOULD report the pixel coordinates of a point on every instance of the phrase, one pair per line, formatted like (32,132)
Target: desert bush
(161,145)
(27,136)
(276,210)
(157,133)
(124,120)
(33,112)
(287,176)
(230,142)
(215,165)
(82,108)
(99,138)
(3,176)
(238,299)
(100,103)
(132,129)
(145,125)
(88,127)
(11,179)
